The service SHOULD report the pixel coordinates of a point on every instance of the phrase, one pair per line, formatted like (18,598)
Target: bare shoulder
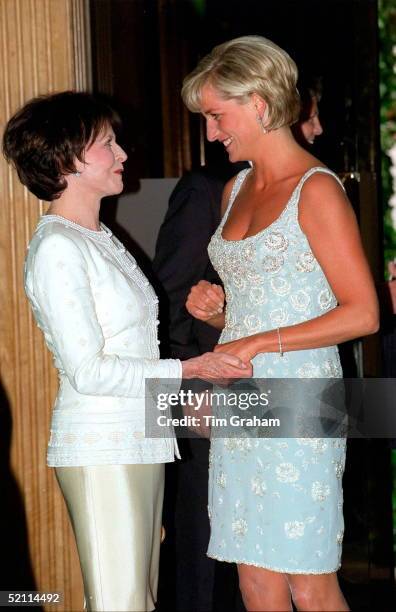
(322,198)
(320,185)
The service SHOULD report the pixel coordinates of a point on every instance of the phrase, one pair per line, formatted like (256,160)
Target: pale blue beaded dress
(276,503)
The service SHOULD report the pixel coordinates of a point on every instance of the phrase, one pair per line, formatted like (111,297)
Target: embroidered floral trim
(283,570)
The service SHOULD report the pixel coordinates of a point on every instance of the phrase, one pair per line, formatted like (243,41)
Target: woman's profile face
(233,124)
(101,171)
(312,126)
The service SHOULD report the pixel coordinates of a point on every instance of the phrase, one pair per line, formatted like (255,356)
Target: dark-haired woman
(99,316)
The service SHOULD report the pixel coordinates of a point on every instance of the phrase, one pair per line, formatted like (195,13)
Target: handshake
(217,367)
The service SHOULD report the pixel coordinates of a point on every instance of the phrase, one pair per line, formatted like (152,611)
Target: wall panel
(44,47)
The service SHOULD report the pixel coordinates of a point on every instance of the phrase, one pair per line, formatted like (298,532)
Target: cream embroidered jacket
(98,314)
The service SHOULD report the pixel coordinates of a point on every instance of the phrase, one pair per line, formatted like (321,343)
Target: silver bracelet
(280,343)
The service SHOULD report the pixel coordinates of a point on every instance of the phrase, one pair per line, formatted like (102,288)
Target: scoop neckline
(276,220)
(104,231)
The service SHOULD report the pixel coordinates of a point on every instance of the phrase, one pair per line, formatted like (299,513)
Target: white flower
(325,299)
(252,323)
(306,262)
(392,154)
(239,281)
(309,370)
(230,444)
(273,263)
(280,286)
(331,369)
(393,217)
(294,529)
(278,317)
(257,295)
(258,486)
(319,491)
(222,480)
(300,300)
(276,241)
(339,468)
(239,527)
(319,445)
(244,445)
(287,472)
(392,201)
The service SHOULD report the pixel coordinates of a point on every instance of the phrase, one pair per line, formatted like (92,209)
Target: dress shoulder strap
(309,173)
(240,177)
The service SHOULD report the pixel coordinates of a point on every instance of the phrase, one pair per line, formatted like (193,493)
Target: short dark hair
(309,87)
(46,136)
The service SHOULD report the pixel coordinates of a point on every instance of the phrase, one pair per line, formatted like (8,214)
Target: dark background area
(334,39)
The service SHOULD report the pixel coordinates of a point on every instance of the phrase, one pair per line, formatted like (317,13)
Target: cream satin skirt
(116,513)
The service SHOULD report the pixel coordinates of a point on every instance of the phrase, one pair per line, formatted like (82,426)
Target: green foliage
(387,69)
(199,6)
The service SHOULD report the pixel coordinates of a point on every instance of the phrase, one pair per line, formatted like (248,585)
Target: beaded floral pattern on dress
(276,503)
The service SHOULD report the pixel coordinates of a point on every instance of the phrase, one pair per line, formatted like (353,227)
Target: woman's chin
(234,154)
(117,189)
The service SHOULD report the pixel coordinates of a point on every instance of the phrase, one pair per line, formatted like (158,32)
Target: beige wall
(44,47)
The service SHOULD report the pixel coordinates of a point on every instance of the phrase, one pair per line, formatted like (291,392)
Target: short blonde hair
(244,66)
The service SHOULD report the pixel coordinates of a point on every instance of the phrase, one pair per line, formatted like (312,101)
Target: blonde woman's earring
(259,120)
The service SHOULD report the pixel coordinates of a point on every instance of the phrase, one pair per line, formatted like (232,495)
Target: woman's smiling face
(231,122)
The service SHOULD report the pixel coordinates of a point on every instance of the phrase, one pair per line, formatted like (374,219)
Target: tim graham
(212,421)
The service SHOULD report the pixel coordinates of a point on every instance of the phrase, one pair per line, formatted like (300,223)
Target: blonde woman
(296,284)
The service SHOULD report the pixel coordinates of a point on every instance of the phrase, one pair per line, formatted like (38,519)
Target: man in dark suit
(181,258)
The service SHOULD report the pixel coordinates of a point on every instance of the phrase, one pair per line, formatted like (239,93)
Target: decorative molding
(81,36)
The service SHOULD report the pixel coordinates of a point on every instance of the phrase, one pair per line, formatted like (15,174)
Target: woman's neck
(85,213)
(278,154)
